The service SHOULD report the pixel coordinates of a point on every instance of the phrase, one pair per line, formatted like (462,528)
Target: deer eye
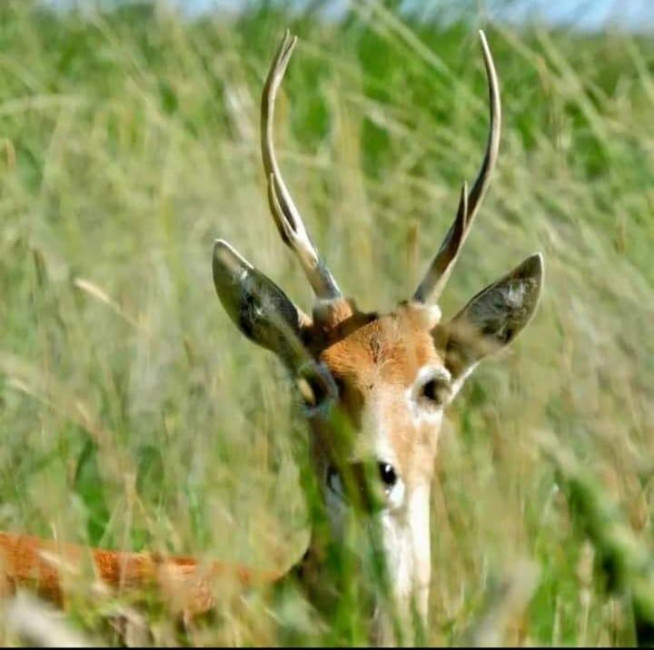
(435,391)
(315,385)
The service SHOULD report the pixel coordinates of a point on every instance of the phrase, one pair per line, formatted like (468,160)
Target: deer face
(391,386)
(374,387)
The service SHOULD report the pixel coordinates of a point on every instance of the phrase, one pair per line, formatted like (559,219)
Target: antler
(287,217)
(441,266)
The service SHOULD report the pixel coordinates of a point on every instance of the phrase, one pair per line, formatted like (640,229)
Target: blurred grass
(133,414)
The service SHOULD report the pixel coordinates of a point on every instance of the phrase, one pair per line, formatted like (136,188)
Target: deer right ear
(492,319)
(256,305)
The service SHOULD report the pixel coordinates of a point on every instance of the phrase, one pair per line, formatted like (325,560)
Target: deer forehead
(386,352)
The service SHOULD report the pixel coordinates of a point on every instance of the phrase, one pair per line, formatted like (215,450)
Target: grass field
(132,413)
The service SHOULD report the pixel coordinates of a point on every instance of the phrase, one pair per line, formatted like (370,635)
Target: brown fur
(185,583)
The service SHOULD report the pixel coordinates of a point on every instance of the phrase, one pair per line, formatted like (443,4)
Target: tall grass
(132,413)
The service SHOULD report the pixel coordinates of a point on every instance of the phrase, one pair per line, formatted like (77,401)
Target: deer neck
(383,569)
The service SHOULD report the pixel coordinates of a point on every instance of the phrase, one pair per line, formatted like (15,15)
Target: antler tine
(287,217)
(441,266)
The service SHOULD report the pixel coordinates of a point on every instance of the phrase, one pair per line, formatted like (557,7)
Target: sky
(586,14)
(593,14)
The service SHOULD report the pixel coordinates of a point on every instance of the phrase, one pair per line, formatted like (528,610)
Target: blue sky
(638,14)
(589,14)
(586,13)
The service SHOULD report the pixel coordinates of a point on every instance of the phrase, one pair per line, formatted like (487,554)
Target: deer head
(374,387)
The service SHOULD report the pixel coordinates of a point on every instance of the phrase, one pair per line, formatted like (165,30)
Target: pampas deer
(374,389)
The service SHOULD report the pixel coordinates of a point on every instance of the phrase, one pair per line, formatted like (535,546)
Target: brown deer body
(185,584)
(374,389)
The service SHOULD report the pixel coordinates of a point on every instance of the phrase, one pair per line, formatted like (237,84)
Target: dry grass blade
(506,601)
(98,293)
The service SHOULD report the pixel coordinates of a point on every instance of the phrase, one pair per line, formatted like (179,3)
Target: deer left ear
(492,319)
(256,305)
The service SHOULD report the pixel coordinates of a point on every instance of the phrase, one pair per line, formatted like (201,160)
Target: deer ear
(257,306)
(492,319)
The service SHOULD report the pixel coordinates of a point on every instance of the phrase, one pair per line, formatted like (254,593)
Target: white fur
(407,549)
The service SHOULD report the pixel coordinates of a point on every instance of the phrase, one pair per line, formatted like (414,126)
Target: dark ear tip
(226,261)
(219,246)
(220,249)
(227,265)
(532,268)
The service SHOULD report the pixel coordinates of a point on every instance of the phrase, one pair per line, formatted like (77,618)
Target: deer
(373,389)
